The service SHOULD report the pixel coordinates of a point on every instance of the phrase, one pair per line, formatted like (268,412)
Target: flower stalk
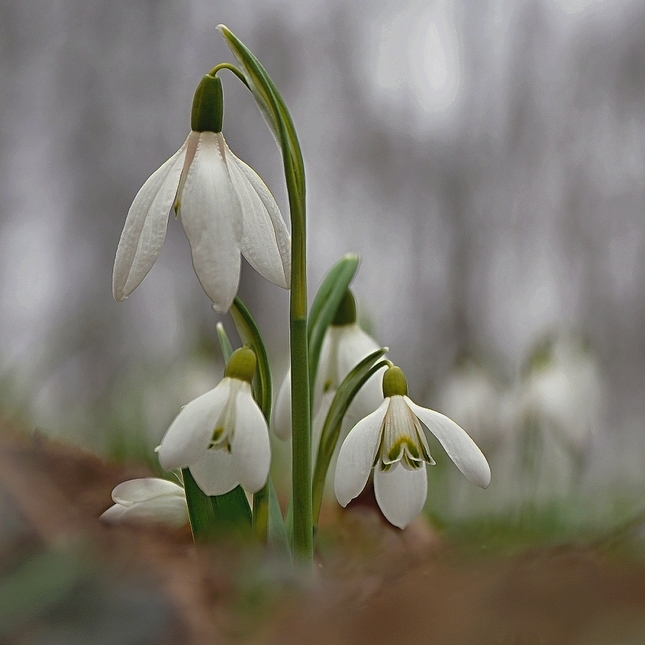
(279,120)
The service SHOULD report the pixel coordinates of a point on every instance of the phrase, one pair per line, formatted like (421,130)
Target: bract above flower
(222,436)
(148,500)
(392,441)
(225,208)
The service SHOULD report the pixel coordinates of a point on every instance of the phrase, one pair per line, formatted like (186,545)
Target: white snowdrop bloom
(224,206)
(391,440)
(148,499)
(563,392)
(344,346)
(222,436)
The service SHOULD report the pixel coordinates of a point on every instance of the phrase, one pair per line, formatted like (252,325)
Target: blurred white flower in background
(563,392)
(473,398)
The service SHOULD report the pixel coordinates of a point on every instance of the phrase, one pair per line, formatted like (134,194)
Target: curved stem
(231,68)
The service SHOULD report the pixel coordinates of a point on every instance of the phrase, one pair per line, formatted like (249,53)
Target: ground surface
(66,578)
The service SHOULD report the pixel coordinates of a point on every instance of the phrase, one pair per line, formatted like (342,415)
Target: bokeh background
(486,159)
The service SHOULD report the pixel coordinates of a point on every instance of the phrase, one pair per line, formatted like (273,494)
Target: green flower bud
(241,365)
(208,105)
(394,382)
(346,312)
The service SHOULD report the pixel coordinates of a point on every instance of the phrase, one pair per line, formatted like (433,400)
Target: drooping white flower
(222,436)
(563,392)
(391,441)
(224,206)
(148,499)
(344,346)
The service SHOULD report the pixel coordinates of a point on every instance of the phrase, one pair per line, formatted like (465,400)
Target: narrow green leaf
(213,516)
(271,105)
(200,509)
(325,304)
(224,342)
(232,509)
(250,334)
(267,518)
(277,531)
(334,420)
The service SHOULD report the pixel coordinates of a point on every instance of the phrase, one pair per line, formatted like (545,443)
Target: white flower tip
(483,478)
(220,308)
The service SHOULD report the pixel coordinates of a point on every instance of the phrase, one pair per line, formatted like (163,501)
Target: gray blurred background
(486,158)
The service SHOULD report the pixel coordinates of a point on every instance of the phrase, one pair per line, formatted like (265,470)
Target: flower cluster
(221,439)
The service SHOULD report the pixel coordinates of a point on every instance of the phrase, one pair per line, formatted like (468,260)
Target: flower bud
(241,365)
(346,312)
(394,382)
(208,105)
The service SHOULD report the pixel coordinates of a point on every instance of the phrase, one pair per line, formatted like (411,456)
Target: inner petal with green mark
(403,440)
(222,436)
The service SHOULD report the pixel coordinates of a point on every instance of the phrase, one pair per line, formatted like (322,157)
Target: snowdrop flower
(563,392)
(224,206)
(148,500)
(392,441)
(222,436)
(344,346)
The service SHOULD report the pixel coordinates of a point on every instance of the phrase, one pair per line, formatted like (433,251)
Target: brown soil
(67,578)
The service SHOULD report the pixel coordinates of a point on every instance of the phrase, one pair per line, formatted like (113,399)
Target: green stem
(301,438)
(300,387)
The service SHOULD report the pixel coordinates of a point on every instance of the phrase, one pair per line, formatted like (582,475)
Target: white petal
(215,472)
(357,454)
(281,421)
(327,374)
(190,433)
(250,448)
(211,215)
(144,489)
(343,348)
(167,509)
(145,227)
(456,442)
(401,493)
(368,397)
(266,243)
(353,346)
(114,513)
(319,422)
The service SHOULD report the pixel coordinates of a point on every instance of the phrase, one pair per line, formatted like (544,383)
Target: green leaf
(325,304)
(267,518)
(212,516)
(224,342)
(200,509)
(232,509)
(272,107)
(250,334)
(334,420)
(277,531)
